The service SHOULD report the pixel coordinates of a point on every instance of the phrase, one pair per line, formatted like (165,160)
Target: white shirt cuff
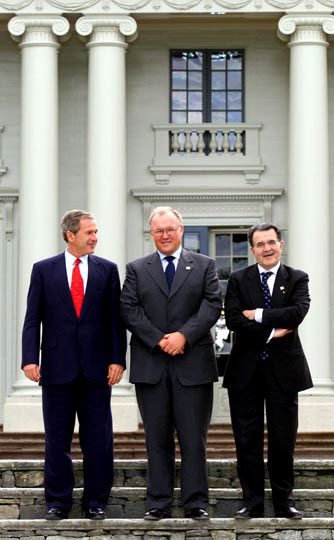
(258,315)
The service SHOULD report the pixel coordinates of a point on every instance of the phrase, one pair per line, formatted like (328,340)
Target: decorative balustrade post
(308,193)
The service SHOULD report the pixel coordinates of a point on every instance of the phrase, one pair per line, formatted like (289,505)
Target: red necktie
(77,288)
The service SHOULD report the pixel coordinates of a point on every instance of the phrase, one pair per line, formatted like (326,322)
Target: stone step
(29,503)
(309,474)
(171,529)
(132,445)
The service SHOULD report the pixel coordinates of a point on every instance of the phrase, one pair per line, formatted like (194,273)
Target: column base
(23,413)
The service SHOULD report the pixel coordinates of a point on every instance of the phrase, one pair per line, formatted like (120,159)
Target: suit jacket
(150,311)
(92,342)
(289,304)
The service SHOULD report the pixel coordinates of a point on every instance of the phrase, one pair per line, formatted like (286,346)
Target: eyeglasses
(269,243)
(160,232)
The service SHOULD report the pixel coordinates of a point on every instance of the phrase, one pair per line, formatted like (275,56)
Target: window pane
(234,80)
(195,60)
(195,101)
(218,100)
(195,80)
(223,267)
(218,61)
(240,246)
(234,62)
(218,117)
(179,100)
(239,263)
(179,60)
(191,241)
(218,80)
(223,244)
(179,80)
(179,117)
(195,117)
(234,100)
(234,117)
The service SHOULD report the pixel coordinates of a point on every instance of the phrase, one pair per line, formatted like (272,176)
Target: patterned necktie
(77,288)
(267,303)
(170,270)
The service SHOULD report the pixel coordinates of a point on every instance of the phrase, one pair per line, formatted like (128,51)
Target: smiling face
(267,248)
(85,240)
(167,232)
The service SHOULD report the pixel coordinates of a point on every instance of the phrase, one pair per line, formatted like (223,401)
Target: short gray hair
(71,221)
(161,210)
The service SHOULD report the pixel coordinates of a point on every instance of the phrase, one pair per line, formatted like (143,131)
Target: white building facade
(223,109)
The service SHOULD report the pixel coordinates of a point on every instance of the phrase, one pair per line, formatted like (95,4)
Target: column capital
(41,30)
(305,28)
(107,30)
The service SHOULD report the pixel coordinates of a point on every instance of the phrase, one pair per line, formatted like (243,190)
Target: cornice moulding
(216,8)
(207,194)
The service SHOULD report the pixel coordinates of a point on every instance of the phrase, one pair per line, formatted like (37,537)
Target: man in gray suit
(170,301)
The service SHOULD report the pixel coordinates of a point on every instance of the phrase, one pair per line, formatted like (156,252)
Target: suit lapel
(92,284)
(61,282)
(184,269)
(254,287)
(154,268)
(280,288)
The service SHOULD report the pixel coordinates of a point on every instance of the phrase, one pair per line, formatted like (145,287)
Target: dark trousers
(247,414)
(166,407)
(91,402)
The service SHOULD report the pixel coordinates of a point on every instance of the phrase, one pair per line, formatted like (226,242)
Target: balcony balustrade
(189,148)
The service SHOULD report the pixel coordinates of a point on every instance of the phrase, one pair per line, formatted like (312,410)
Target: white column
(308,195)
(39,227)
(106,148)
(106,158)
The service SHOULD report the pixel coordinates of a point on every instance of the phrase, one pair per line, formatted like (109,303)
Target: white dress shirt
(271,282)
(83,268)
(176,254)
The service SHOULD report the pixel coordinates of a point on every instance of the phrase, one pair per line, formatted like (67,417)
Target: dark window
(207,86)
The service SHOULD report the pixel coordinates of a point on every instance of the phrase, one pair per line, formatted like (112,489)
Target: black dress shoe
(289,512)
(56,513)
(197,513)
(247,512)
(95,513)
(156,513)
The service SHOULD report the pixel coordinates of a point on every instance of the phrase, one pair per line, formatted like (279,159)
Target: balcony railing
(189,148)
(214,140)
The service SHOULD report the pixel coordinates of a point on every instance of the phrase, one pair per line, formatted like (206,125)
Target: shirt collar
(176,254)
(71,258)
(274,270)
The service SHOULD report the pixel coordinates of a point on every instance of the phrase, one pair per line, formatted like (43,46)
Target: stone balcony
(207,148)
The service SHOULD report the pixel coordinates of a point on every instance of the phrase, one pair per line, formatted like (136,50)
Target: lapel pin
(282,288)
(188,267)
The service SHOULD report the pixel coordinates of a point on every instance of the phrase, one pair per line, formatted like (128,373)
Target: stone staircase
(22,506)
(132,445)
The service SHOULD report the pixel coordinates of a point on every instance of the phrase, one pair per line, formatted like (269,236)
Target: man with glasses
(264,305)
(170,301)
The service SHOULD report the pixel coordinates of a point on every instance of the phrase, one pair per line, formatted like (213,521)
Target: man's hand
(115,373)
(249,313)
(173,343)
(31,371)
(281,332)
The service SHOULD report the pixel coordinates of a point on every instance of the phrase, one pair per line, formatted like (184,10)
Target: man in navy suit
(264,305)
(74,296)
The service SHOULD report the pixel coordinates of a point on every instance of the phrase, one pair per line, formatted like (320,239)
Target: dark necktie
(77,288)
(267,302)
(170,270)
